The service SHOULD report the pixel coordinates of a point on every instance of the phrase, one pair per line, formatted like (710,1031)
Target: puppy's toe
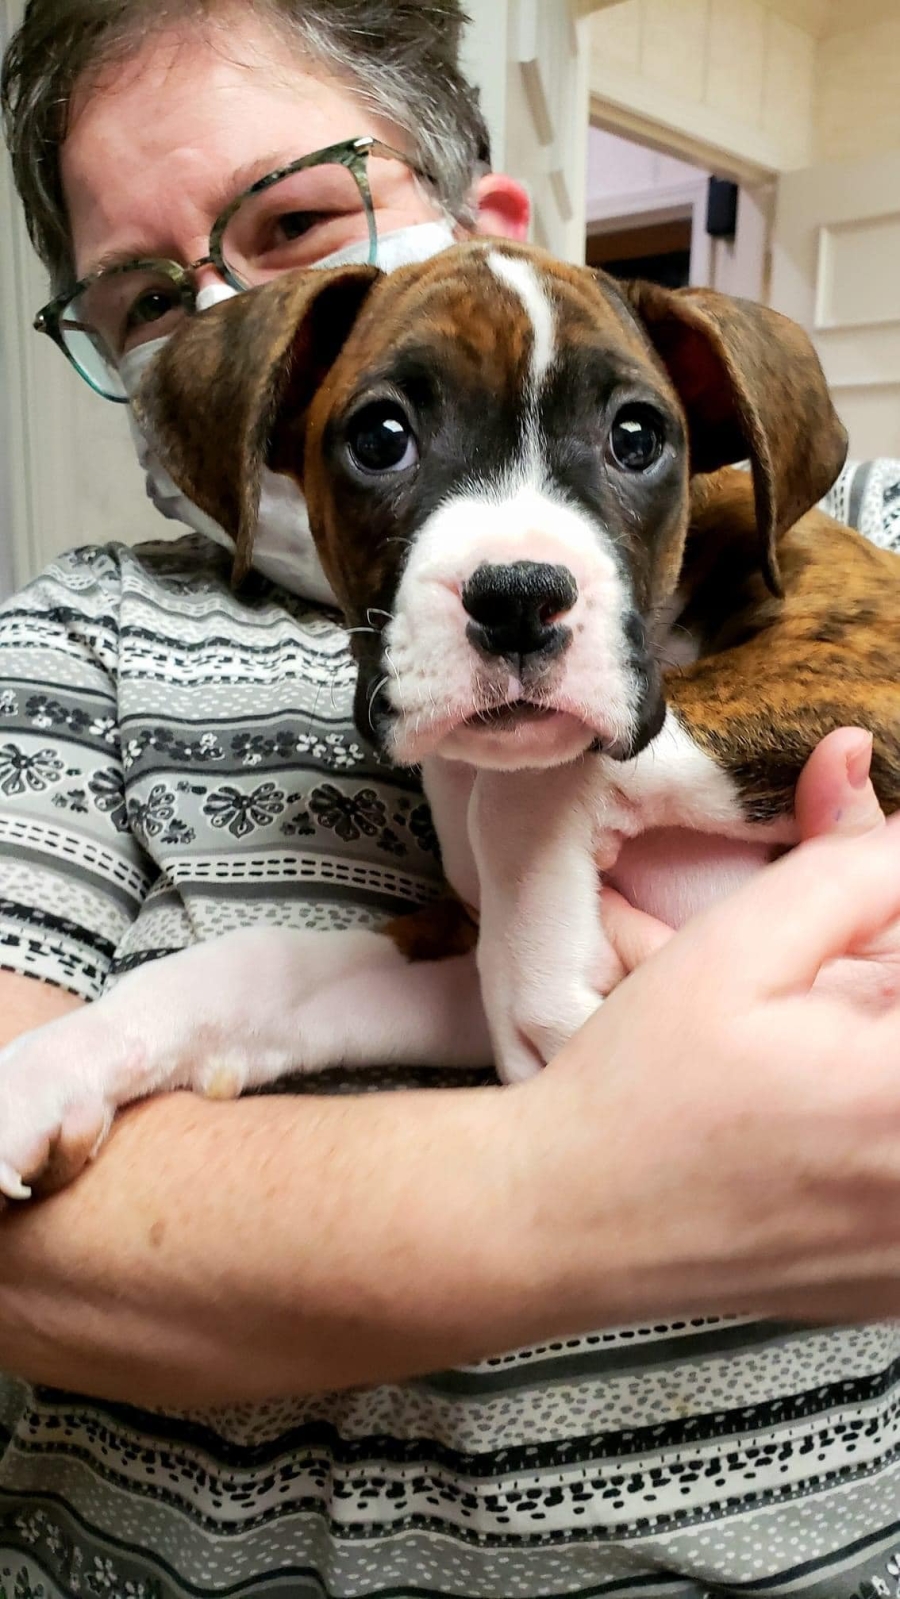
(11,1184)
(222,1077)
(72,1147)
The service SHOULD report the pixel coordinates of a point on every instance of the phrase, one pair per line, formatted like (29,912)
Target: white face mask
(283,549)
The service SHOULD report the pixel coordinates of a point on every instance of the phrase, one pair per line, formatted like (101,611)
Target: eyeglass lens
(293,223)
(296,222)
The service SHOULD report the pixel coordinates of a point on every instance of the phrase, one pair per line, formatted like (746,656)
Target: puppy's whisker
(671,662)
(375,610)
(312,714)
(382,683)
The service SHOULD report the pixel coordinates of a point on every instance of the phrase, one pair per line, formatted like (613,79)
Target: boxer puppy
(583,634)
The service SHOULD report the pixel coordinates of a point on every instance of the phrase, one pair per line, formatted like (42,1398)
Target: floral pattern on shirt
(20,771)
(243,813)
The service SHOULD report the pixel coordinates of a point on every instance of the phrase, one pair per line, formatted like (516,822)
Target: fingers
(835,799)
(835,793)
(634,935)
(822,901)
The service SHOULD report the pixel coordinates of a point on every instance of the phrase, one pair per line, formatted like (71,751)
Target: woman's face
(157,148)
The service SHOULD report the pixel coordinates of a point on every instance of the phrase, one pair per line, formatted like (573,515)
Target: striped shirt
(176,762)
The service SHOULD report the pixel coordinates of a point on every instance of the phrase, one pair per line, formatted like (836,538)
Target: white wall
(836,270)
(775,85)
(6,512)
(857,109)
(630,182)
(733,76)
(529,59)
(806,93)
(66,459)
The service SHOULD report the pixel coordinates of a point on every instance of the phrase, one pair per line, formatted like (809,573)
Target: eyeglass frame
(350,153)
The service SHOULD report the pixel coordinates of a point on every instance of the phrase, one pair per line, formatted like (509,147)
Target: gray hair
(401,57)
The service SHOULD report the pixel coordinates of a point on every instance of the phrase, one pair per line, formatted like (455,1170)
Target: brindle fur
(436,931)
(776,675)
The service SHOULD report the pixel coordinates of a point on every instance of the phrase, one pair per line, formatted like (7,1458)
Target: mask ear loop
(213,294)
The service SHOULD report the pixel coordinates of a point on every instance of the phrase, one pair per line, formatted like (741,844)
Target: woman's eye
(151,307)
(294,224)
(380,438)
(637,437)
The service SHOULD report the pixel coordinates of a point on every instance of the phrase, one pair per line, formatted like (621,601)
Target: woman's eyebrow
(244,177)
(115,258)
(228,189)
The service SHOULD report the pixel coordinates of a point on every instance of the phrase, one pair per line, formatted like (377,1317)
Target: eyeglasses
(295,217)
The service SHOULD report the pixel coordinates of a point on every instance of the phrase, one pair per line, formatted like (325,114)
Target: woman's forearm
(219,1253)
(717,1139)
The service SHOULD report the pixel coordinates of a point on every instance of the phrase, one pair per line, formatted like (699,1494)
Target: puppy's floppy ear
(210,401)
(751,386)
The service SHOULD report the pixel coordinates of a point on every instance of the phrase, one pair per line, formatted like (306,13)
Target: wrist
(623,1219)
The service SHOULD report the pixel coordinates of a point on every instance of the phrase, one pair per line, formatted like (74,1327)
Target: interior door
(836,269)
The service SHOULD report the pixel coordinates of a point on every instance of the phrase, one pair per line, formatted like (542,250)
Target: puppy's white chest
(672,783)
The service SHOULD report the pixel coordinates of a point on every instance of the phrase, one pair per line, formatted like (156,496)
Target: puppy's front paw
(552,1025)
(543,1028)
(529,1027)
(53,1115)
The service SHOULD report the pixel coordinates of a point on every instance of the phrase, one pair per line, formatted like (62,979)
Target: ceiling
(824,17)
(821,18)
(813,16)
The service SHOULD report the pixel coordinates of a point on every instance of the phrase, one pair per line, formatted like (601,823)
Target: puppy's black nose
(516,609)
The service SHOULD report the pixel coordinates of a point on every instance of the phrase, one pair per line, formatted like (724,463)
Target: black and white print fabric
(867,496)
(173,763)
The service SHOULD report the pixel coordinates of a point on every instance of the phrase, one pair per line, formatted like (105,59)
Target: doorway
(655,215)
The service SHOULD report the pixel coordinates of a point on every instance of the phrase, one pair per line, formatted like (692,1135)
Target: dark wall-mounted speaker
(722,208)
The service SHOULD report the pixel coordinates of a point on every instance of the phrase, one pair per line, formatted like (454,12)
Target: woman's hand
(740,1092)
(835,798)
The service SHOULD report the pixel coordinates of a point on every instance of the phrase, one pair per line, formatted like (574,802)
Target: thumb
(835,793)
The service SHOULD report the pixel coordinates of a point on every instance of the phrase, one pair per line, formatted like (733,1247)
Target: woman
(174,761)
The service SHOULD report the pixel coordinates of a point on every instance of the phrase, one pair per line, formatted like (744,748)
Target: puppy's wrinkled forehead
(495,320)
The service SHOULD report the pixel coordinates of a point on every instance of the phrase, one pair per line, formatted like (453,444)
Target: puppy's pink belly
(672,872)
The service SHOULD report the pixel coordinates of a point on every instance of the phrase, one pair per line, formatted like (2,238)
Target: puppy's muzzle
(516,610)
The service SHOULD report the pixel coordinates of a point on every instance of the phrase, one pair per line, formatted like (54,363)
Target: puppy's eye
(380,438)
(637,437)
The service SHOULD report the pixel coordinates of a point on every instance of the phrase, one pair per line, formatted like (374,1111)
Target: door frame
(740,267)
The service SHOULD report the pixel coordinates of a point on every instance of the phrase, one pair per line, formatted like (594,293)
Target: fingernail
(859,762)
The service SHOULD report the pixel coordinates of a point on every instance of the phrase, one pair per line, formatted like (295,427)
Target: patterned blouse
(175,762)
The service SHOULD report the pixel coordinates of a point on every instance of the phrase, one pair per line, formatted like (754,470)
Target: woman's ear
(502,207)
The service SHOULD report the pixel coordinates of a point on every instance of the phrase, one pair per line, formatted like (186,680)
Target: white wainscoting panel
(836,269)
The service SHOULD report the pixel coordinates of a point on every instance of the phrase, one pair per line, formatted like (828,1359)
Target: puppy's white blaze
(521,277)
(440,678)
